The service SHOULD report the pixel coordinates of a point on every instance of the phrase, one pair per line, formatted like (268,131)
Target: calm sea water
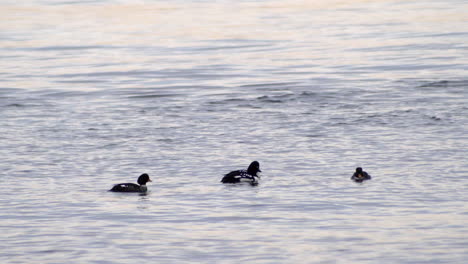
(94,93)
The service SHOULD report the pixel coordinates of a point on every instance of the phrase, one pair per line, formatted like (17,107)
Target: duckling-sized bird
(132,187)
(249,175)
(360,175)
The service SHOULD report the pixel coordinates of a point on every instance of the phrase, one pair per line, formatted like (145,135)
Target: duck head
(143,179)
(359,173)
(254,168)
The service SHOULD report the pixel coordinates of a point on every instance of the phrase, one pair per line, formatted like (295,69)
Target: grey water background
(94,93)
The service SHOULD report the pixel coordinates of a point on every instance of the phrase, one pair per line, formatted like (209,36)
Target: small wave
(148,96)
(435,118)
(110,146)
(228,101)
(445,83)
(59,93)
(274,99)
(397,118)
(319,95)
(458,86)
(134,73)
(436,84)
(80,81)
(21,105)
(53,251)
(231,47)
(59,48)
(15,105)
(270,86)
(252,106)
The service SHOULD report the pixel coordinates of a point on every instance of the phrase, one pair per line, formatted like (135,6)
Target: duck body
(238,176)
(129,187)
(360,175)
(132,187)
(249,175)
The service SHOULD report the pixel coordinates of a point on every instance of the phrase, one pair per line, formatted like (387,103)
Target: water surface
(94,93)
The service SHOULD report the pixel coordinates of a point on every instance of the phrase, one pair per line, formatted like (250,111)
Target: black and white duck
(249,175)
(132,187)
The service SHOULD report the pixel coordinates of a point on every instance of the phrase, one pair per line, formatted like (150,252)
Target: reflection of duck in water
(248,175)
(360,175)
(132,187)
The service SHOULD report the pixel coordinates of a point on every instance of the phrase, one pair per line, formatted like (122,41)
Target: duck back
(127,187)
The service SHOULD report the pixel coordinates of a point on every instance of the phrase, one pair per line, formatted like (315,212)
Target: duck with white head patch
(249,175)
(132,187)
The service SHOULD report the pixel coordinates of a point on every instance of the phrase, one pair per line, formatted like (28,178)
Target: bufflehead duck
(360,175)
(132,187)
(249,175)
